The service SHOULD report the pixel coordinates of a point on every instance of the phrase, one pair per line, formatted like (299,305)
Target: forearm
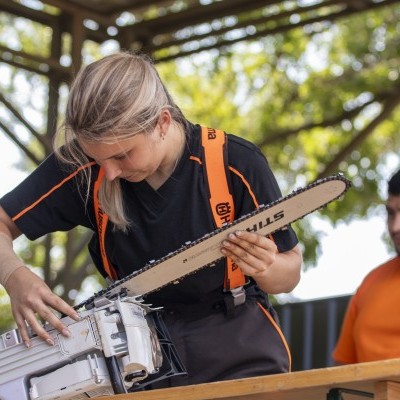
(283,274)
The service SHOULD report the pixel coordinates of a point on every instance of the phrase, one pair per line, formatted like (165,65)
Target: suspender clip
(239,296)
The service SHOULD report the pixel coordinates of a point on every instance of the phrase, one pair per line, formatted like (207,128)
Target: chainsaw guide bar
(205,251)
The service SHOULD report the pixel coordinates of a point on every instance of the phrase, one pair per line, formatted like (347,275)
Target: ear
(164,121)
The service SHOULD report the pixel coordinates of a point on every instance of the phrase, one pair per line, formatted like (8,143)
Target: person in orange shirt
(371,326)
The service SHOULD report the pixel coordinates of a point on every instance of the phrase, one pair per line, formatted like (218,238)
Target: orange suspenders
(214,144)
(221,201)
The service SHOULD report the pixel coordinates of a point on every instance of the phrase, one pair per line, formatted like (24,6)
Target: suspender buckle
(236,297)
(239,296)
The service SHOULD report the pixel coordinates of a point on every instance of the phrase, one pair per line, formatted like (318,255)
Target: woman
(122,123)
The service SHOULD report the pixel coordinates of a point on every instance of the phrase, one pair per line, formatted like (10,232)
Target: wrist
(9,262)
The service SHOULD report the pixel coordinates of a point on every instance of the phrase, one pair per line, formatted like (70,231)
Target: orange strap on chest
(214,144)
(101,221)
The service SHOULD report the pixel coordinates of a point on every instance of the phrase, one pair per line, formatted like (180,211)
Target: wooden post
(387,390)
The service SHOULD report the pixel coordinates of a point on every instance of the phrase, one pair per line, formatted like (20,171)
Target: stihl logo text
(267,221)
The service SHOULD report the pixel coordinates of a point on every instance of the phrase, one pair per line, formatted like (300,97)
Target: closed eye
(120,157)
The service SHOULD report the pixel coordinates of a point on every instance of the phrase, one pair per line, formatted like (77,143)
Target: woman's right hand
(31,297)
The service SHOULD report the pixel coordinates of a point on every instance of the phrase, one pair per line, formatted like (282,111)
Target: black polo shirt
(53,198)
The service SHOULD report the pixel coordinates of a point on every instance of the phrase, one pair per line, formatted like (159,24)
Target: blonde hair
(113,99)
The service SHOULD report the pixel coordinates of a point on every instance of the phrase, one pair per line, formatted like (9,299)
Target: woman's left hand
(252,252)
(258,257)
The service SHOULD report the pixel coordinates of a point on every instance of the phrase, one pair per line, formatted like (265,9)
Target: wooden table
(382,378)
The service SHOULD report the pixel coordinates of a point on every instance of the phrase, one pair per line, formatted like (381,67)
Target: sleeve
(254,184)
(345,350)
(50,199)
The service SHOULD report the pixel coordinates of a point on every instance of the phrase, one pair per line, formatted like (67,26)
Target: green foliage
(6,320)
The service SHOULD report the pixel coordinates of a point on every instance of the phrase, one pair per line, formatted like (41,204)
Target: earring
(162,136)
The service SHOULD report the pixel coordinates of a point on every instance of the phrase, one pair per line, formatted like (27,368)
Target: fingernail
(27,343)
(50,342)
(76,317)
(66,332)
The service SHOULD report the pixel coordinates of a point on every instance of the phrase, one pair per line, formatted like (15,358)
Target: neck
(174,148)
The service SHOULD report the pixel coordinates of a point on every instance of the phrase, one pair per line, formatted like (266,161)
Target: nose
(111,170)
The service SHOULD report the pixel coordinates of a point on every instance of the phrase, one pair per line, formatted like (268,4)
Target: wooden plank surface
(302,385)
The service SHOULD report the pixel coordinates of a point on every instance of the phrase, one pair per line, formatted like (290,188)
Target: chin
(132,179)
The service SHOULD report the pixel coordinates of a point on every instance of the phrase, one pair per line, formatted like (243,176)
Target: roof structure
(166,29)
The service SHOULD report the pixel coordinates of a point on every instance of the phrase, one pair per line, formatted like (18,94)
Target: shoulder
(237,146)
(53,167)
(243,157)
(381,272)
(242,153)
(246,160)
(242,146)
(384,269)
(239,142)
(52,178)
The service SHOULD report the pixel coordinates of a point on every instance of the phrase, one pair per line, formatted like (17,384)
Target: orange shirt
(371,327)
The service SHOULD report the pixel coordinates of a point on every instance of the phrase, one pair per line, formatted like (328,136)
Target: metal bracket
(336,393)
(239,296)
